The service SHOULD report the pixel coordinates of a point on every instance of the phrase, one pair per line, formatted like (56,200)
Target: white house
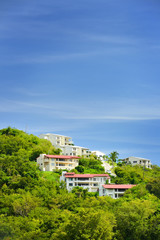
(53,162)
(137,160)
(100,155)
(114,190)
(56,139)
(65,143)
(90,181)
(75,150)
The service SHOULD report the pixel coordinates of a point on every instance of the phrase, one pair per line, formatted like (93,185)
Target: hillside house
(53,162)
(90,181)
(138,161)
(114,190)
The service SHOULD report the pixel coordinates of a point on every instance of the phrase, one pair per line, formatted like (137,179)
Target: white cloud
(28,92)
(117,110)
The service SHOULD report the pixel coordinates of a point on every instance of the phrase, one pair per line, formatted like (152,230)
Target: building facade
(138,161)
(100,155)
(57,140)
(91,182)
(66,145)
(75,151)
(114,190)
(57,162)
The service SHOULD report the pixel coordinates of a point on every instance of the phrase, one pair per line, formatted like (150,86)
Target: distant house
(53,162)
(56,139)
(114,190)
(75,151)
(138,161)
(100,155)
(90,181)
(66,144)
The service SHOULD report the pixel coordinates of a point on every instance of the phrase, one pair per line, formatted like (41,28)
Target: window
(52,164)
(115,195)
(121,190)
(70,184)
(95,184)
(83,179)
(134,161)
(70,179)
(94,179)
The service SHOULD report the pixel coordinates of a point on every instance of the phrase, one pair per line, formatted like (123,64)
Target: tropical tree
(114,157)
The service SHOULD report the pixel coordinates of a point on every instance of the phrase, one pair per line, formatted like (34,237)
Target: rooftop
(74,146)
(138,158)
(61,156)
(54,134)
(73,175)
(118,186)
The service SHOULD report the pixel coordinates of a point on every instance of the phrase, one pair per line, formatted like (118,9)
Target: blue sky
(86,69)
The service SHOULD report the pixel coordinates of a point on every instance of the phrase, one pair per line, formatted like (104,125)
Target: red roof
(62,157)
(118,186)
(73,175)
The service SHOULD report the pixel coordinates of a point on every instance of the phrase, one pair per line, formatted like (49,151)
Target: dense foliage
(16,142)
(90,165)
(35,206)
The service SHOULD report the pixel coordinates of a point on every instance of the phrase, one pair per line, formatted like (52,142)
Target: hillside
(35,206)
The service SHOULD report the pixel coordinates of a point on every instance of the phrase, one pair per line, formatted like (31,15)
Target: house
(137,161)
(114,190)
(53,162)
(90,181)
(75,151)
(56,139)
(100,155)
(66,145)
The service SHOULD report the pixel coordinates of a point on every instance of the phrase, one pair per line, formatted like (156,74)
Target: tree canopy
(36,206)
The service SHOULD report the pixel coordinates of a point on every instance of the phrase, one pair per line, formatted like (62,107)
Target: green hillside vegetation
(90,165)
(35,206)
(16,142)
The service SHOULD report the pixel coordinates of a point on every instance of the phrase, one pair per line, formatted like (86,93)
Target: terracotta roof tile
(61,156)
(118,186)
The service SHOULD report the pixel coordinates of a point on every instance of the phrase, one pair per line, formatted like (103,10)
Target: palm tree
(114,156)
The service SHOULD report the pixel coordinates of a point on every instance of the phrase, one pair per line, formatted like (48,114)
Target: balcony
(46,160)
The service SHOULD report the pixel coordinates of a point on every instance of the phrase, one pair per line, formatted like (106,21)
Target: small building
(100,155)
(90,181)
(138,161)
(114,190)
(75,151)
(56,139)
(66,144)
(56,162)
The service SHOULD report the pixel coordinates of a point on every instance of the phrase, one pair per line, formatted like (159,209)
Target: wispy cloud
(113,39)
(27,92)
(12,60)
(119,110)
